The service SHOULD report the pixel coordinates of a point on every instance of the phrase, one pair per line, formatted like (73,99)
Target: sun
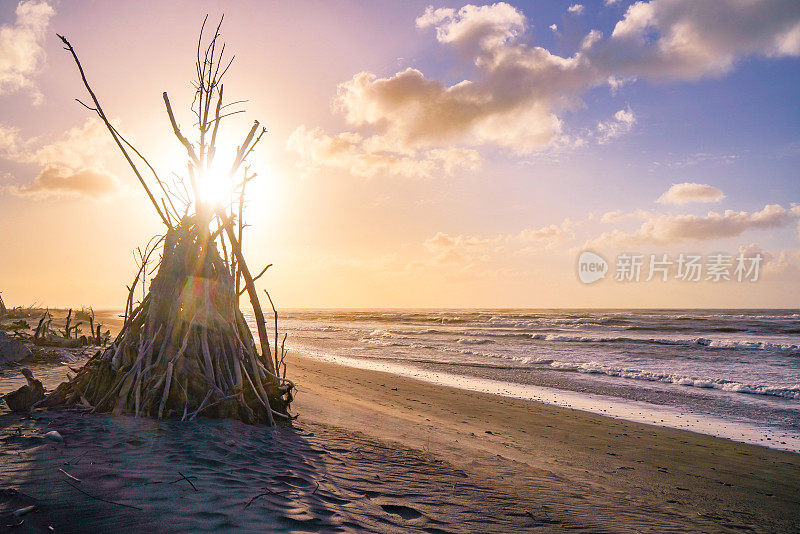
(215,188)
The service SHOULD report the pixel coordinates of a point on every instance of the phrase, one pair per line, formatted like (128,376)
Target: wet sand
(578,469)
(378,452)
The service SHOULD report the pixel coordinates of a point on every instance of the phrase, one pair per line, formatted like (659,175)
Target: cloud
(699,158)
(622,123)
(518,92)
(475,28)
(612,216)
(781,265)
(554,27)
(552,235)
(695,39)
(61,181)
(619,216)
(371,157)
(77,147)
(69,165)
(659,229)
(691,192)
(22,47)
(575,8)
(754,248)
(471,250)
(462,250)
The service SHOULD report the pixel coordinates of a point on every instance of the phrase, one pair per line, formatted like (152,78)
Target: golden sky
(418,156)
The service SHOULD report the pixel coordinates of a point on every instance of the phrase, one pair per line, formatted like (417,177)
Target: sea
(729,373)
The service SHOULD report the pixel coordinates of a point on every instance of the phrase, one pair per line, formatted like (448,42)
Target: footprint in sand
(403,511)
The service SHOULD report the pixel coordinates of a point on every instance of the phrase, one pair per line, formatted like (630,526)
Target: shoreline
(582,464)
(607,405)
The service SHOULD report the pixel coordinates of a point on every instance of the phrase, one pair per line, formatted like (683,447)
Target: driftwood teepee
(185,349)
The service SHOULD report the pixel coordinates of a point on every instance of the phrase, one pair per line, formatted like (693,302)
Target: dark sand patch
(313,478)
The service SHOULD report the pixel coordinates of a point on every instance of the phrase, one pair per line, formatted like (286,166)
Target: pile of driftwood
(185,348)
(46,334)
(70,336)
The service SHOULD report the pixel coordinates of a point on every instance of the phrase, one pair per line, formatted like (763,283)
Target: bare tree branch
(102,115)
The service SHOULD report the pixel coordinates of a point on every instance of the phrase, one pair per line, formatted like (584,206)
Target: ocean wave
(384,343)
(662,328)
(699,341)
(707,383)
(468,341)
(483,337)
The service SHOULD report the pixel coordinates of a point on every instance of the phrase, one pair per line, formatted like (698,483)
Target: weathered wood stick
(166,390)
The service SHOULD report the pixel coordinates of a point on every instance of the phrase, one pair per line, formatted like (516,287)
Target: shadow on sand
(252,478)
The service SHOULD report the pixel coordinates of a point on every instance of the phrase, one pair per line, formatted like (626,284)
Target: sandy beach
(457,267)
(371,451)
(570,468)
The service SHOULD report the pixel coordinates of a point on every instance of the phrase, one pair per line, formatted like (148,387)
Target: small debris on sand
(54,435)
(23,511)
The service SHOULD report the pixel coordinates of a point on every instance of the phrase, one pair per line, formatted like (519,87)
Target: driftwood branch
(102,499)
(177,131)
(275,314)
(251,289)
(102,115)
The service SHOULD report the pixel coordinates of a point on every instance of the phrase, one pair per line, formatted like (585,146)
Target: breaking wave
(721,384)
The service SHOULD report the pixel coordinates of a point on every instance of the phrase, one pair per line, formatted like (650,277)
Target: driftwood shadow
(118,473)
(223,475)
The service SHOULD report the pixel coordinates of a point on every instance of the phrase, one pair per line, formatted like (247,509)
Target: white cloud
(77,147)
(660,229)
(473,28)
(470,250)
(612,216)
(783,264)
(775,265)
(21,47)
(372,156)
(691,192)
(61,181)
(699,158)
(754,248)
(518,91)
(619,216)
(575,8)
(685,39)
(461,250)
(552,235)
(615,82)
(70,165)
(622,123)
(554,27)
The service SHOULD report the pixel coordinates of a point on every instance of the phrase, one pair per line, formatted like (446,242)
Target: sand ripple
(312,478)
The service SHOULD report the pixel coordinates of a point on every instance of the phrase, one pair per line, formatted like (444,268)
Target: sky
(421,155)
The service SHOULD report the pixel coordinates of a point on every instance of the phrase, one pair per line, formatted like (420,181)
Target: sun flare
(215,188)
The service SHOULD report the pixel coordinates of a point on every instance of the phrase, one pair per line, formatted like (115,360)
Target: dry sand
(377,452)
